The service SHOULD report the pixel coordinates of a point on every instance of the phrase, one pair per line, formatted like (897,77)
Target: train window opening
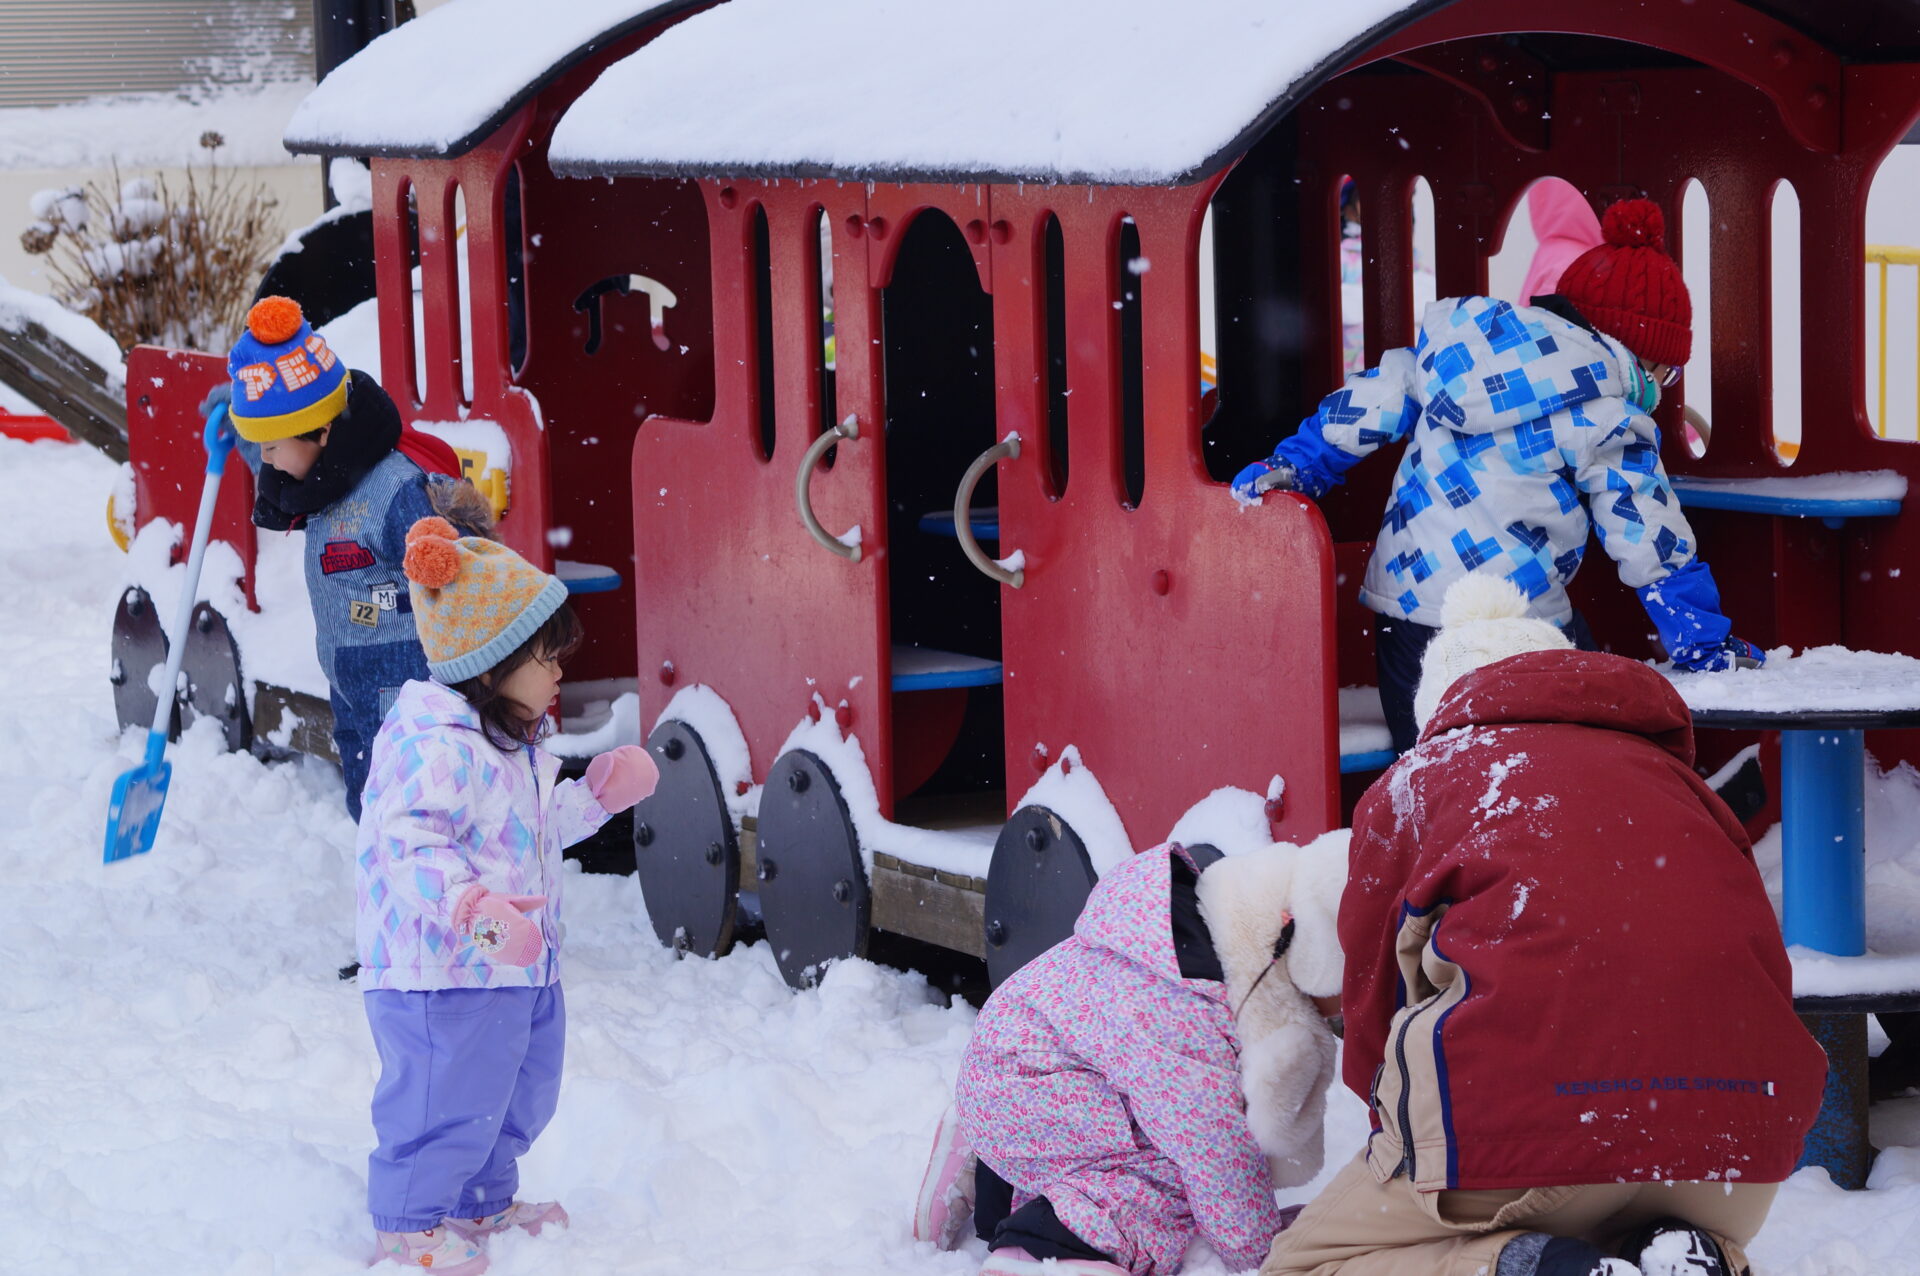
(938,360)
(1784,320)
(824,338)
(1425,243)
(513,240)
(1696,267)
(1130,283)
(460,375)
(1055,281)
(767,436)
(411,314)
(1891,297)
(1349,246)
(1254,331)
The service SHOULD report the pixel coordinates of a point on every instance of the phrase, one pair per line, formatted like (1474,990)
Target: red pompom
(438,528)
(274,319)
(432,562)
(1635,223)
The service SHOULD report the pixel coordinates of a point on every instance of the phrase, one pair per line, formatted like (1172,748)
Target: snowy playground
(973,642)
(187,1079)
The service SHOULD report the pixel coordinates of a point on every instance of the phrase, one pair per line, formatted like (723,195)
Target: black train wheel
(685,847)
(214,690)
(813,887)
(139,647)
(1037,883)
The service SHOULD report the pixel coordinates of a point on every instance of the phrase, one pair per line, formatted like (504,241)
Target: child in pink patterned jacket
(461,833)
(1153,1077)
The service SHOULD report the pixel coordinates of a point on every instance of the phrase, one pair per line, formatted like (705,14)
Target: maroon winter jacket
(1562,967)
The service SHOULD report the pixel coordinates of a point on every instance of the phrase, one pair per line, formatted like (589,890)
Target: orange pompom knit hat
(1630,289)
(474,600)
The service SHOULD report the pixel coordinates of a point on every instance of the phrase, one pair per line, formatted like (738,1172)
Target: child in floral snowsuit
(459,896)
(1154,1076)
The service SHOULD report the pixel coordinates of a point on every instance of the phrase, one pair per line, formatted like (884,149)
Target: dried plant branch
(151,269)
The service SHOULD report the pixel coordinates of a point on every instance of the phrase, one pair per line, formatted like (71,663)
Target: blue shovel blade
(133,813)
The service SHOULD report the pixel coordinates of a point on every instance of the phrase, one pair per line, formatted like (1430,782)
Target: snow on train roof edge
(1144,93)
(440,84)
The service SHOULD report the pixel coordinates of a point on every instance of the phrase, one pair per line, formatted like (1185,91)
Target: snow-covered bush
(152,268)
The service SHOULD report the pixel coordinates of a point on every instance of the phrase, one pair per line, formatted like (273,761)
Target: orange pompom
(274,319)
(431,562)
(434,526)
(1635,223)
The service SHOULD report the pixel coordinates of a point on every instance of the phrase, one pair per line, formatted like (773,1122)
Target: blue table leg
(1824,884)
(1823,839)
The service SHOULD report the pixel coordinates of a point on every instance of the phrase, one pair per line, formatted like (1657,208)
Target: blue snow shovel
(133,815)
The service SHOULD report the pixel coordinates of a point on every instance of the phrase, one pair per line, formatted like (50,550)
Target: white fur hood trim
(1286,1049)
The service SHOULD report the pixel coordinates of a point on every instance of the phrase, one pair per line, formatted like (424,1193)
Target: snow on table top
(441,83)
(1829,679)
(1128,92)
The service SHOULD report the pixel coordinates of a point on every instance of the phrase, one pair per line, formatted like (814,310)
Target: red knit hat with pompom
(1630,289)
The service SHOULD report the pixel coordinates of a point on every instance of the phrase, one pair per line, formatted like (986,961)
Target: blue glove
(1243,481)
(1732,653)
(1278,474)
(1685,609)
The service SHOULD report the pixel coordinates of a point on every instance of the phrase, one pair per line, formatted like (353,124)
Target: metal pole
(341,28)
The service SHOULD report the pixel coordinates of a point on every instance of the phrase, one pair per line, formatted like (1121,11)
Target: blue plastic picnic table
(1823,889)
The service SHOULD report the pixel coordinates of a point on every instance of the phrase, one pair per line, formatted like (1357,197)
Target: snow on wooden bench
(586,578)
(930,669)
(1365,742)
(1832,498)
(985,523)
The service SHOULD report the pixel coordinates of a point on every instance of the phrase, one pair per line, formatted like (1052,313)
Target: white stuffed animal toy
(1272,914)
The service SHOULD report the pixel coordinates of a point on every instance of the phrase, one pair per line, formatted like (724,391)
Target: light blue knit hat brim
(503,644)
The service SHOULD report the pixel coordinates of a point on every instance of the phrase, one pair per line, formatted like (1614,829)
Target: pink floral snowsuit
(1100,1079)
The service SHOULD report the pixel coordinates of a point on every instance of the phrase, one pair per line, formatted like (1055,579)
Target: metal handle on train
(963,512)
(803,487)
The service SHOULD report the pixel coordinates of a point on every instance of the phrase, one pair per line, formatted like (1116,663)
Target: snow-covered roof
(1132,92)
(442,83)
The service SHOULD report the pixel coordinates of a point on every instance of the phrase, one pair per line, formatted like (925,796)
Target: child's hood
(1129,913)
(424,707)
(1489,365)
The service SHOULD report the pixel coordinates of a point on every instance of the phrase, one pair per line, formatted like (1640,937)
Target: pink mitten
(497,926)
(620,777)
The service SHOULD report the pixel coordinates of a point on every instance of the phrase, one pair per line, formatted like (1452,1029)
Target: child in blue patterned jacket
(1525,428)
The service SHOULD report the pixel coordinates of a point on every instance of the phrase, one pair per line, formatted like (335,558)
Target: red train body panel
(1180,643)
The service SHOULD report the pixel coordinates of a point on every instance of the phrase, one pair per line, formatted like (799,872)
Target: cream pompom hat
(1483,619)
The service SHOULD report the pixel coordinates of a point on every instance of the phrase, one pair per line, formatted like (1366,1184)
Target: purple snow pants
(468,1079)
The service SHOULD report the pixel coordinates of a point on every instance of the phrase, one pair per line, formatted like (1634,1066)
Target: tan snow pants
(1359,1226)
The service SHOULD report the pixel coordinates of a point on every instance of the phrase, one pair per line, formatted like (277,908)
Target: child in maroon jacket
(1566,997)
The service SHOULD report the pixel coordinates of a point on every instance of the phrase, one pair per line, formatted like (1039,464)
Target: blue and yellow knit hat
(474,600)
(286,380)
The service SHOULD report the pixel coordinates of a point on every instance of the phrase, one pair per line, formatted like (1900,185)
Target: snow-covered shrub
(152,268)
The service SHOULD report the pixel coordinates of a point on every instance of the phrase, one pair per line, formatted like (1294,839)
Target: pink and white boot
(945,1205)
(438,1249)
(528,1216)
(1017,1262)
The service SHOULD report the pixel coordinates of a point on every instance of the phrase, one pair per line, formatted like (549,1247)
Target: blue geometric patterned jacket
(1520,439)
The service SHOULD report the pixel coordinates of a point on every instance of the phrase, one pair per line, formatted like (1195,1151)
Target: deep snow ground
(183,1081)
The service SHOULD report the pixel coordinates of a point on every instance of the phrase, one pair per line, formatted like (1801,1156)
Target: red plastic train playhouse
(780,321)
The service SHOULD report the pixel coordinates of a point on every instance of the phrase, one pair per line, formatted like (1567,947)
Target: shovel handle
(218,439)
